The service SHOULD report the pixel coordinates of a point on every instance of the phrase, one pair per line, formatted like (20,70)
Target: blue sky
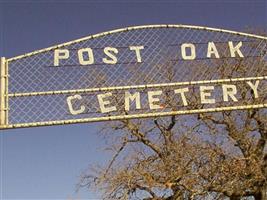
(45,163)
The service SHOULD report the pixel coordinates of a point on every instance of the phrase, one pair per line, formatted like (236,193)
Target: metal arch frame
(4,83)
(135,28)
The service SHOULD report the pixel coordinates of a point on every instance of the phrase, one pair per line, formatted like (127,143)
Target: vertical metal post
(3,92)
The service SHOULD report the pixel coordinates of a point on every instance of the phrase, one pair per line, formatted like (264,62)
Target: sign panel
(135,72)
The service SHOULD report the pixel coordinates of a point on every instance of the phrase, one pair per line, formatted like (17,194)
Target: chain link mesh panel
(38,90)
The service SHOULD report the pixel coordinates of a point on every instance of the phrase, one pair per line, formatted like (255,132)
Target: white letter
(204,94)
(231,93)
(113,59)
(104,103)
(69,102)
(60,54)
(137,52)
(131,97)
(90,60)
(212,50)
(152,99)
(192,55)
(254,88)
(182,91)
(235,49)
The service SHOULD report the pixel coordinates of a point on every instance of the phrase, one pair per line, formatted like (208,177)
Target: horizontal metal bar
(133,116)
(136,28)
(138,63)
(135,87)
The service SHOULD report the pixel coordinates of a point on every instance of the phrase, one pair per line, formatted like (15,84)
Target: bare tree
(209,155)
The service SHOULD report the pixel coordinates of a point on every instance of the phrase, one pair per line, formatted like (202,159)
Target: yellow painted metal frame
(4,83)
(136,28)
(3,92)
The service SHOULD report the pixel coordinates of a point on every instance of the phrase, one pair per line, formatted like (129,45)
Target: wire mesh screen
(146,61)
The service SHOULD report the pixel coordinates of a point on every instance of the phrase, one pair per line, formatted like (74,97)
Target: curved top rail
(136,28)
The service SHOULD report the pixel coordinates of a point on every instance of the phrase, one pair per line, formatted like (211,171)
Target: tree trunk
(264,192)
(234,198)
(257,196)
(262,195)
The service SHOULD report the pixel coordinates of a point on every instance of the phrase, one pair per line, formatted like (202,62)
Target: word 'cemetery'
(207,95)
